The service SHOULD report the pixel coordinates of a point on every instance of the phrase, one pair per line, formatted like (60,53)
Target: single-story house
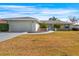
(22,24)
(30,24)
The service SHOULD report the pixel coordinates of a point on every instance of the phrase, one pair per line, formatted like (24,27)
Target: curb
(38,33)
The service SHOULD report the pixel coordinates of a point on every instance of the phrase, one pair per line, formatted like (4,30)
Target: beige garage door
(20,26)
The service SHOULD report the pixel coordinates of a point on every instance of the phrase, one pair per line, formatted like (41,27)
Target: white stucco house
(22,24)
(30,24)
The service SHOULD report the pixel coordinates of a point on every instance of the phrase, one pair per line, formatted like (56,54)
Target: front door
(50,27)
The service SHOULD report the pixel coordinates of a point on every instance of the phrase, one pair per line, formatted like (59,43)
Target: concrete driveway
(5,35)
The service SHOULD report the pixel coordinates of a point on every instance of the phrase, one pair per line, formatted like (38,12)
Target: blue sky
(42,11)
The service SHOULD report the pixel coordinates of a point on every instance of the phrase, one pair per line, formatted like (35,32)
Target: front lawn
(60,43)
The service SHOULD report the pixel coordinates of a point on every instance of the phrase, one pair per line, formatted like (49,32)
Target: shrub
(4,27)
(56,26)
(43,25)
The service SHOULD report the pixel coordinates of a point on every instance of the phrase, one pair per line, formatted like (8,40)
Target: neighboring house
(2,21)
(23,24)
(76,26)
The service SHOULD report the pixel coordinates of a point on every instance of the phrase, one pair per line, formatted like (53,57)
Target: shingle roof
(35,19)
(55,22)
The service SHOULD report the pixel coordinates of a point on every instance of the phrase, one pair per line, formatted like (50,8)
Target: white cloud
(41,13)
(14,6)
(58,11)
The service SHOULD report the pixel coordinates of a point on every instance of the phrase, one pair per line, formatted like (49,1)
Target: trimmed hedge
(4,27)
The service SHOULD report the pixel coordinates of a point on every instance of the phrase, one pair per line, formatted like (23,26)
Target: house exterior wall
(62,27)
(37,26)
(75,26)
(22,26)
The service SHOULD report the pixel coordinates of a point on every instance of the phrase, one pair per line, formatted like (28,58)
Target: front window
(66,26)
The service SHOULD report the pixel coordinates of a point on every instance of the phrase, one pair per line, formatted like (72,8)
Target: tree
(53,18)
(73,19)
